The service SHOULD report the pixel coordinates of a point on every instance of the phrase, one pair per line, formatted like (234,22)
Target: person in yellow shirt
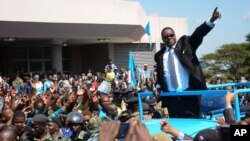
(110,75)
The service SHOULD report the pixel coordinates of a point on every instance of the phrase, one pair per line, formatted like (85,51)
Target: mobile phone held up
(1,104)
(123,130)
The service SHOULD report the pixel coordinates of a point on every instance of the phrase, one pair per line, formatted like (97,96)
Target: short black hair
(165,28)
(19,113)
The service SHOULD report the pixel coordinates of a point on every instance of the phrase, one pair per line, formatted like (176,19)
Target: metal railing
(200,93)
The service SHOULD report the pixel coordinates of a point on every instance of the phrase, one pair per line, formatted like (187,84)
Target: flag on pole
(132,69)
(147,30)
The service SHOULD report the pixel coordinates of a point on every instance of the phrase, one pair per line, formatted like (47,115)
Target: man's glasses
(168,36)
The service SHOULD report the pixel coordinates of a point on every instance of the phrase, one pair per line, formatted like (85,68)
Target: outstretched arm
(201,31)
(216,15)
(229,112)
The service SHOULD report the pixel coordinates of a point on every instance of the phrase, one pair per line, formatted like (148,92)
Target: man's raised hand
(216,15)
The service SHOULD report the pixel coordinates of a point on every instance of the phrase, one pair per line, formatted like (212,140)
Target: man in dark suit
(178,68)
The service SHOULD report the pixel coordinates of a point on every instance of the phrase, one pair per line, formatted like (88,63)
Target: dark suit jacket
(229,115)
(185,50)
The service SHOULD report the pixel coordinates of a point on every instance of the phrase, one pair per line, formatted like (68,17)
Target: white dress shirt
(181,72)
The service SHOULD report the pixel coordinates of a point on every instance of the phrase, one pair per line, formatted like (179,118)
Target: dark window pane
(20,66)
(35,53)
(48,66)
(66,65)
(35,66)
(19,53)
(47,52)
(66,52)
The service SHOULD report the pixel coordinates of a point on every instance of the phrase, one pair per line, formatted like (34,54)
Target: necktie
(172,70)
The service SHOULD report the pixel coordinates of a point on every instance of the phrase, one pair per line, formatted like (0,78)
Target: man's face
(72,98)
(19,122)
(105,101)
(40,106)
(52,127)
(8,114)
(37,130)
(86,119)
(168,37)
(75,127)
(113,112)
(95,113)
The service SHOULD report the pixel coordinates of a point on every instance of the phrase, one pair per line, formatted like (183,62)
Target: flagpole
(138,47)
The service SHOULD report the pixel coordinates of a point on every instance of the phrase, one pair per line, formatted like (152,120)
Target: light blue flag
(105,87)
(147,30)
(132,68)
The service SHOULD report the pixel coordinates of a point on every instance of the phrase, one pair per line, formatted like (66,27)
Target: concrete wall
(73,11)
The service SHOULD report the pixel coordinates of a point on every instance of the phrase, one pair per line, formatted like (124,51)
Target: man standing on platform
(178,68)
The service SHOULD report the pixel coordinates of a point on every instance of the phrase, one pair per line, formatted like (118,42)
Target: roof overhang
(74,33)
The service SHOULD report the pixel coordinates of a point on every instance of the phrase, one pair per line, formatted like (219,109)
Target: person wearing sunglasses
(178,67)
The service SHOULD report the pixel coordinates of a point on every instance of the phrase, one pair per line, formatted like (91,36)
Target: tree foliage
(248,38)
(229,59)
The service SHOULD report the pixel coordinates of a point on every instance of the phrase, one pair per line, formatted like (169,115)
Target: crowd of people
(95,105)
(55,106)
(78,107)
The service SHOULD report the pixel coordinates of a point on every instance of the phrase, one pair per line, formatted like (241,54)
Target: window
(19,53)
(35,53)
(48,66)
(20,66)
(35,66)
(47,52)
(32,58)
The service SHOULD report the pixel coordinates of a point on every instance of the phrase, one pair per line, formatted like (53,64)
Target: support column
(76,59)
(158,29)
(111,52)
(57,57)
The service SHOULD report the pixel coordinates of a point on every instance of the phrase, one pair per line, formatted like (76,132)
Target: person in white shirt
(178,67)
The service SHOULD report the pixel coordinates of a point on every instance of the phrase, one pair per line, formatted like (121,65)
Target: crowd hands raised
(67,108)
(70,107)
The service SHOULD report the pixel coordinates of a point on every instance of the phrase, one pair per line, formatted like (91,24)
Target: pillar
(57,57)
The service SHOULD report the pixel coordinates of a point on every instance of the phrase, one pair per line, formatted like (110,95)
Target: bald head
(7,114)
(9,133)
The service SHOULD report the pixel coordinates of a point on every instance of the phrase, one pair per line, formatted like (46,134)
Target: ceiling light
(65,44)
(9,39)
(103,39)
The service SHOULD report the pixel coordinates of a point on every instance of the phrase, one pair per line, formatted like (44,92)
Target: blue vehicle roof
(210,102)
(188,126)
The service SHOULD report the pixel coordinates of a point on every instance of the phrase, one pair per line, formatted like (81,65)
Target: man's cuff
(210,24)
(229,106)
(158,86)
(180,136)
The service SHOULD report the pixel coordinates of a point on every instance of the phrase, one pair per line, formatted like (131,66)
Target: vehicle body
(211,106)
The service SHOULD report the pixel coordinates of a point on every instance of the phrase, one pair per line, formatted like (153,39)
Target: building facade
(74,36)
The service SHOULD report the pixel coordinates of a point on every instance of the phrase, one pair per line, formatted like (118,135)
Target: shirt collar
(169,48)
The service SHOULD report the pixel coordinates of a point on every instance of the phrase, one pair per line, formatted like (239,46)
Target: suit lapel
(161,56)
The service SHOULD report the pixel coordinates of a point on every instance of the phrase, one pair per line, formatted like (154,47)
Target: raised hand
(109,131)
(167,128)
(137,132)
(13,92)
(216,15)
(53,88)
(230,97)
(33,85)
(156,93)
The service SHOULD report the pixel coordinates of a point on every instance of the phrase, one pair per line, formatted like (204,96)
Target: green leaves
(229,59)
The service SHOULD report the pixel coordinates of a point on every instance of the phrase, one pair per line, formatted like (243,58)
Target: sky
(231,28)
